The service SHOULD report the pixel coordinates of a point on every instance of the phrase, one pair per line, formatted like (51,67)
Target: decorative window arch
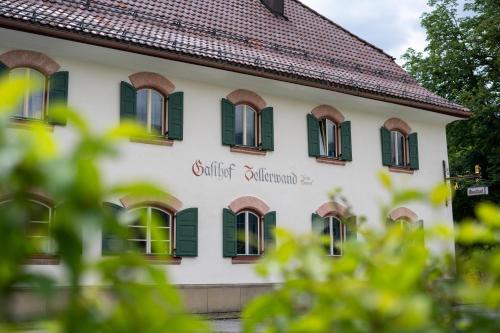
(40,212)
(43,70)
(247,124)
(334,221)
(404,217)
(150,100)
(399,146)
(329,135)
(248,229)
(156,219)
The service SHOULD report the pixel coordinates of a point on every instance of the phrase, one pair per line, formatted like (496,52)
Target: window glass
(241,233)
(248,233)
(142,107)
(245,125)
(327,138)
(335,231)
(238,128)
(156,113)
(397,147)
(151,110)
(152,234)
(253,234)
(32,105)
(38,226)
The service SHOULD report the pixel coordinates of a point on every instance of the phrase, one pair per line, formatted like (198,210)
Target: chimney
(277,7)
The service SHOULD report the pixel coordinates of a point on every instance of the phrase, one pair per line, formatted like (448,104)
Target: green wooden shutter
(350,224)
(345,141)
(128,104)
(186,233)
(58,94)
(413,150)
(227,110)
(112,243)
(267,121)
(313,135)
(269,227)
(3,69)
(385,138)
(318,224)
(175,115)
(228,233)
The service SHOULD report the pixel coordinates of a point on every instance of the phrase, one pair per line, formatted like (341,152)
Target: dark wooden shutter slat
(228,114)
(345,141)
(385,139)
(58,94)
(318,223)
(111,242)
(267,121)
(175,115)
(128,104)
(351,232)
(4,70)
(313,135)
(413,151)
(186,233)
(269,227)
(228,233)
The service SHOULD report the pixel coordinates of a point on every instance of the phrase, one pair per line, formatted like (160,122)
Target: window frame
(50,250)
(28,93)
(260,233)
(149,110)
(148,227)
(343,236)
(404,138)
(257,125)
(324,140)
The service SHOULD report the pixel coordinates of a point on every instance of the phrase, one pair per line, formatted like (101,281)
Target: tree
(462,63)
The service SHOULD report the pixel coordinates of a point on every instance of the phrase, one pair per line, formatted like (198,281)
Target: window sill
(163,260)
(23,123)
(330,160)
(248,150)
(43,259)
(401,170)
(239,260)
(153,141)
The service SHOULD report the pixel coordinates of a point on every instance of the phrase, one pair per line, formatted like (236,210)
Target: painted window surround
(165,202)
(396,124)
(39,258)
(243,96)
(34,60)
(260,208)
(403,213)
(151,80)
(330,113)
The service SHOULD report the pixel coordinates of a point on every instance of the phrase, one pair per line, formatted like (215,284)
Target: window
(245,126)
(248,233)
(37,227)
(153,234)
(398,148)
(151,111)
(335,230)
(33,104)
(247,129)
(328,138)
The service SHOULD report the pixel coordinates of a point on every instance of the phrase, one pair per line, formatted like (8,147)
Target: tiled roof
(304,46)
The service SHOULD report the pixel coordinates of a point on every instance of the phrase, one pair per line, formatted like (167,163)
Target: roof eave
(224,65)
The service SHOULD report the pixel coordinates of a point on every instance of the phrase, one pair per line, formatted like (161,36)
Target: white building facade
(289,145)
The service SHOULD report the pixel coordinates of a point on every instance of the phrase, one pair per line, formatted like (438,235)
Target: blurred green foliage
(132,296)
(387,282)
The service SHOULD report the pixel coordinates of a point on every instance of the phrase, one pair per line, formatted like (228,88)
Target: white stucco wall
(95,74)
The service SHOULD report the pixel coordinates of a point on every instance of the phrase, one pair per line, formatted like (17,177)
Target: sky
(392,25)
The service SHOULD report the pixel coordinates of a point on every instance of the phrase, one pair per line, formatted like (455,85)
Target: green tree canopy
(461,63)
